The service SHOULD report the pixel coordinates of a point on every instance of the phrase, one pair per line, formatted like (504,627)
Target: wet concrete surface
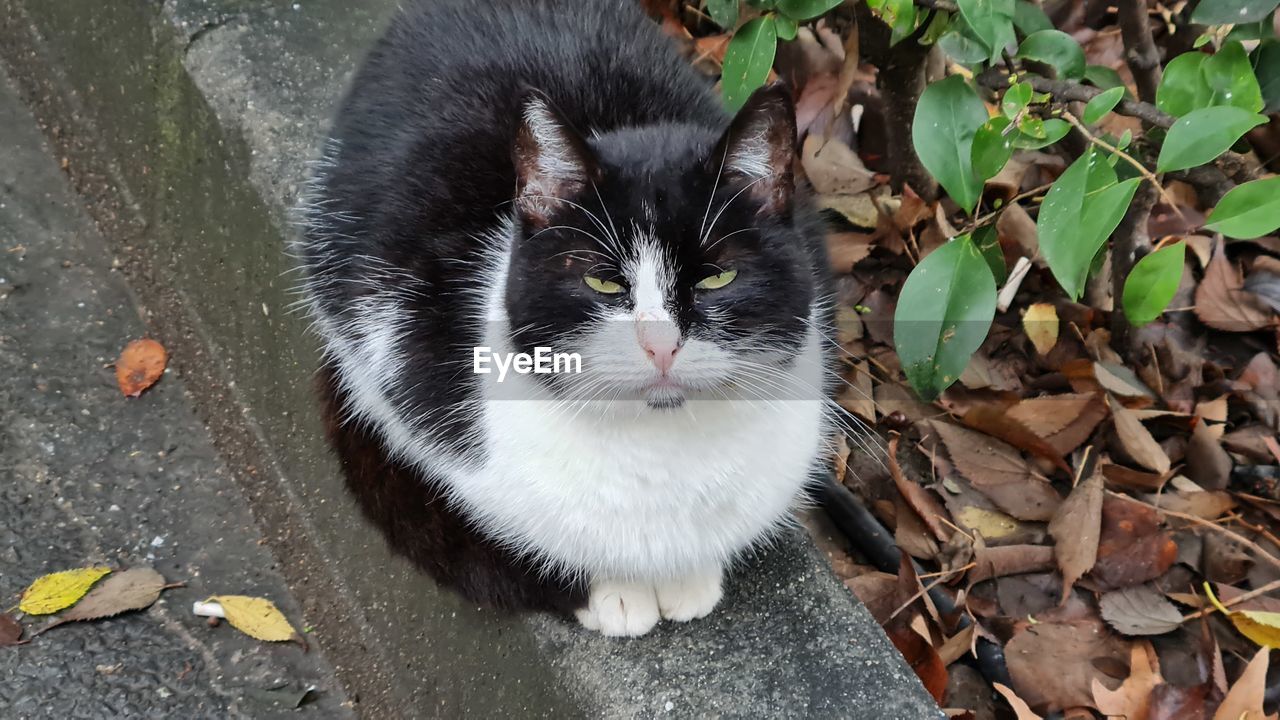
(88,476)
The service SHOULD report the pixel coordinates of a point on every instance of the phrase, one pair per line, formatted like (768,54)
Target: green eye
(715,282)
(604,287)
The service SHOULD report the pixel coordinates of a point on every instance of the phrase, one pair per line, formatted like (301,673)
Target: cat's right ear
(553,162)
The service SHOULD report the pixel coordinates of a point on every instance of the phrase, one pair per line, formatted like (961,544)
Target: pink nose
(661,354)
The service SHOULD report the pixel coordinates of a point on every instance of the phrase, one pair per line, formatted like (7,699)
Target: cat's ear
(553,162)
(759,146)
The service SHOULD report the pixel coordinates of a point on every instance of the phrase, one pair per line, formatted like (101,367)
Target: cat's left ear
(759,146)
(553,162)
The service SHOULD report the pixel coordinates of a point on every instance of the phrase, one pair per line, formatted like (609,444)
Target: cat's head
(669,257)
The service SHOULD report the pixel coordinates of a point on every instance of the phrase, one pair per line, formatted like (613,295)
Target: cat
(525,174)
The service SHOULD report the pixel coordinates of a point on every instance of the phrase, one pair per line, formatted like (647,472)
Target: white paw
(619,609)
(689,597)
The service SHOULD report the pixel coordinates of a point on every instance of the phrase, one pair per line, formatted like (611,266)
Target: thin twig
(1146,174)
(1195,519)
(1273,585)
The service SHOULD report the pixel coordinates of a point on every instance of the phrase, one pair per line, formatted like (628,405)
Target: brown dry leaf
(1041,325)
(997,470)
(1132,549)
(1208,464)
(1139,610)
(1120,380)
(922,658)
(860,210)
(1020,709)
(989,524)
(1017,226)
(10,631)
(994,420)
(994,562)
(840,459)
(858,395)
(1222,302)
(926,506)
(833,168)
(133,589)
(1133,479)
(878,591)
(1064,421)
(1136,440)
(846,249)
(813,107)
(1244,699)
(1172,702)
(1076,529)
(1207,505)
(1132,700)
(140,366)
(1053,664)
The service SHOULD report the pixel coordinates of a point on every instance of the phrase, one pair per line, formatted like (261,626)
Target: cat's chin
(664,398)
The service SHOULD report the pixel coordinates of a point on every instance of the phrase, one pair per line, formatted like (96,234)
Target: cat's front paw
(619,609)
(689,597)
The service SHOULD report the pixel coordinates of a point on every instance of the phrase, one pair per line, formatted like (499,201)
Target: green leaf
(1029,18)
(747,60)
(991,147)
(961,44)
(1152,284)
(787,28)
(806,9)
(1248,211)
(1016,98)
(987,240)
(1182,87)
(723,12)
(1204,134)
(1055,48)
(1229,75)
(1266,63)
(944,312)
(1103,77)
(1054,130)
(1078,215)
(901,16)
(1101,104)
(948,115)
(1232,12)
(991,22)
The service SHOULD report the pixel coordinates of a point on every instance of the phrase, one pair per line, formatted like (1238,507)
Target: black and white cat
(525,174)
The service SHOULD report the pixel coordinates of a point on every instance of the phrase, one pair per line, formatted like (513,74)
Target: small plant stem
(1146,174)
(1273,585)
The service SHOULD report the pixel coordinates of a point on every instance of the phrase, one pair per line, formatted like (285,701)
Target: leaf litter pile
(1103,525)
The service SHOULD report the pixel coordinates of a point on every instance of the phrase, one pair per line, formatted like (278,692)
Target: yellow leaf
(989,523)
(60,590)
(1041,326)
(1260,627)
(255,617)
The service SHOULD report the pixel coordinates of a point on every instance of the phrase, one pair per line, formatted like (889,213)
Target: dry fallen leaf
(1139,610)
(994,562)
(1076,529)
(997,470)
(1053,664)
(1132,549)
(921,501)
(140,366)
(1244,699)
(1258,625)
(846,249)
(1222,302)
(1132,700)
(56,591)
(133,589)
(995,421)
(833,168)
(1064,421)
(989,524)
(1020,709)
(1041,325)
(256,617)
(10,630)
(1136,441)
(922,658)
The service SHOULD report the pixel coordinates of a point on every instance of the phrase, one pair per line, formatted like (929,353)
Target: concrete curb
(186,125)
